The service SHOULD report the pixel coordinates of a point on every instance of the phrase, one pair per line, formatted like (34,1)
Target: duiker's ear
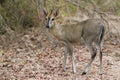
(45,12)
(56,12)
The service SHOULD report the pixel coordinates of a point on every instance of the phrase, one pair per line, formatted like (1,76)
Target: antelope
(91,30)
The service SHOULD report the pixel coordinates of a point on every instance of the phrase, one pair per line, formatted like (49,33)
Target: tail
(102,31)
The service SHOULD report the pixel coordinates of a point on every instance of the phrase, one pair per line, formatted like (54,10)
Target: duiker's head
(50,17)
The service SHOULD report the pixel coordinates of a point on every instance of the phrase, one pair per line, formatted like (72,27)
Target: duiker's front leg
(73,62)
(65,58)
(93,54)
(70,50)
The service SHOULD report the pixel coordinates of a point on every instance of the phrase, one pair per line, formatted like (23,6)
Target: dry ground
(33,62)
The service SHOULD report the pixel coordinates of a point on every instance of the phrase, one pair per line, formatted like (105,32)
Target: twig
(100,13)
(78,5)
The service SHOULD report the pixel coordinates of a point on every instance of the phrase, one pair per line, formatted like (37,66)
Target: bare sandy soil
(41,63)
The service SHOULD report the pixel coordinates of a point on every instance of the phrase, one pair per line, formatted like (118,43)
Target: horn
(51,12)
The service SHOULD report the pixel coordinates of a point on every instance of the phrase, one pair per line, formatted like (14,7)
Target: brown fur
(91,30)
(74,32)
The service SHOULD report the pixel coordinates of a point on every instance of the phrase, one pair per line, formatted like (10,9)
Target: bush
(18,13)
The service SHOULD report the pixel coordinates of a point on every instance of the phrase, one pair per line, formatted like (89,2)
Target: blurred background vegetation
(19,15)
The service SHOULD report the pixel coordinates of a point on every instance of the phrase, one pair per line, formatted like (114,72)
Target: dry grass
(33,62)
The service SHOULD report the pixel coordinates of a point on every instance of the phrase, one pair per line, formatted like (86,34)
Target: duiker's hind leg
(100,57)
(93,54)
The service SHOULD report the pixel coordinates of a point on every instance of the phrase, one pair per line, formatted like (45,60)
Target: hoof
(64,70)
(100,73)
(84,73)
(74,72)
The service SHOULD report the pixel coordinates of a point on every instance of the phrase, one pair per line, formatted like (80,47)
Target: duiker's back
(89,28)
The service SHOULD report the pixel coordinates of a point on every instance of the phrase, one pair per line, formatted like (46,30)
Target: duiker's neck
(56,29)
(55,26)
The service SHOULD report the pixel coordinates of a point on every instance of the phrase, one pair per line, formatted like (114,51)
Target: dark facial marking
(47,25)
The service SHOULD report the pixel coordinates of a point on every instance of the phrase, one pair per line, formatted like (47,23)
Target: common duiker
(91,30)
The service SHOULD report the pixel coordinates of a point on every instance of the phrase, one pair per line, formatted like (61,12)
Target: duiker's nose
(47,26)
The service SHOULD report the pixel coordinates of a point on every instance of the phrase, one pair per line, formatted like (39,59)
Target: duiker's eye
(53,19)
(45,18)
